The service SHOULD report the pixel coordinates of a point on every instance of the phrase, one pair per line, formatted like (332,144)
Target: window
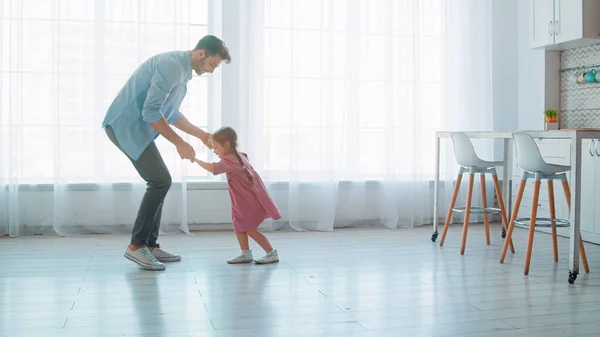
(64,63)
(347,81)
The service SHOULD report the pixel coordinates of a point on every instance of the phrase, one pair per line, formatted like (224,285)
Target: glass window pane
(371,162)
(308,14)
(278,13)
(37,95)
(372,106)
(278,104)
(279,155)
(277,53)
(198,12)
(75,154)
(37,151)
(307,54)
(36,53)
(307,108)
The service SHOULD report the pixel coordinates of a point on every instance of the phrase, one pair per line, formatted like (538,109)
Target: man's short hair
(212,45)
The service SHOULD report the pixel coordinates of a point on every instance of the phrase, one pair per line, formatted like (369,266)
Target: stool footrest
(544,222)
(480,210)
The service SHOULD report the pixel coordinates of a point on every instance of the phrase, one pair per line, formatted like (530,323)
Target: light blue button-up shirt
(154,91)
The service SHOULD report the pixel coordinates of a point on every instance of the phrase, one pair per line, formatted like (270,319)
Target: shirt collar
(188,65)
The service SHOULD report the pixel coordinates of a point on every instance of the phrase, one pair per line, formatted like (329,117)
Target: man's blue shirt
(154,91)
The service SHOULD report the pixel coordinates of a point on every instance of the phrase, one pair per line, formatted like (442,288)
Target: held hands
(186,151)
(206,140)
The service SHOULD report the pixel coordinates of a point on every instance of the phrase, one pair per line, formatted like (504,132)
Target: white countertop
(555,134)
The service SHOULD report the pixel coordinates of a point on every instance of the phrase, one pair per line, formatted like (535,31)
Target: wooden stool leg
(583,256)
(452,203)
(486,220)
(567,190)
(467,213)
(502,208)
(511,224)
(584,260)
(534,206)
(553,216)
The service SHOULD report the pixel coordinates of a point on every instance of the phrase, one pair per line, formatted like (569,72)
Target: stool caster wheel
(572,277)
(434,236)
(503,233)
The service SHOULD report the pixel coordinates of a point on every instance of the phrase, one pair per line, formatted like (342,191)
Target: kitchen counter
(575,136)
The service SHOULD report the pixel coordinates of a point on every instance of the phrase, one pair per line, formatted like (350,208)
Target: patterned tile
(580,118)
(584,98)
(580,56)
(580,103)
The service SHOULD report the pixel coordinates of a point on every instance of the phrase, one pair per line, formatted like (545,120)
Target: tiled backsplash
(579,103)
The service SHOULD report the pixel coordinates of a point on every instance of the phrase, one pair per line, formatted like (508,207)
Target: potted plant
(551,119)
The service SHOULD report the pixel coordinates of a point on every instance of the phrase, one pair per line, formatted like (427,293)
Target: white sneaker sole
(144,265)
(169,259)
(266,262)
(240,262)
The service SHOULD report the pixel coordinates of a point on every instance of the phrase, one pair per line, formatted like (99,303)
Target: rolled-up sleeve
(166,75)
(175,116)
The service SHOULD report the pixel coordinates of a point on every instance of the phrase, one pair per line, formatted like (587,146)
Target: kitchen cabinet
(590,193)
(563,24)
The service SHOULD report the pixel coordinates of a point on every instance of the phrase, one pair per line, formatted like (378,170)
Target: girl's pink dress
(250,204)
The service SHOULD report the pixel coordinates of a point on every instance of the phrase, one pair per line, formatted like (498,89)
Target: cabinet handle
(597,149)
(556,28)
(590,147)
(550,28)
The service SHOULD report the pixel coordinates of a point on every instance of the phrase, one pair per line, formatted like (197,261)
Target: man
(144,109)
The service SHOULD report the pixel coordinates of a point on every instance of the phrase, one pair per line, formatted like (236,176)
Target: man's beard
(200,67)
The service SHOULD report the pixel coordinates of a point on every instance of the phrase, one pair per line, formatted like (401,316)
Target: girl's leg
(243,241)
(262,240)
(272,255)
(246,255)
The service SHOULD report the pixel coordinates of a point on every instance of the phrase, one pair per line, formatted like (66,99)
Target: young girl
(251,203)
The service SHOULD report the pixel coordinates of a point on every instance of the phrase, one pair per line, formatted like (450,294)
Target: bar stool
(533,165)
(469,162)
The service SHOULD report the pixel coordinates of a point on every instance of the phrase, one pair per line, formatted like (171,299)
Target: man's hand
(186,151)
(184,125)
(207,142)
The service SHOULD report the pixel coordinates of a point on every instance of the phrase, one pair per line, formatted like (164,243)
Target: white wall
(504,68)
(531,76)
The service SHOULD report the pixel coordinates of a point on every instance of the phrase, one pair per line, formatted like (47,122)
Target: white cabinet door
(596,200)
(568,17)
(589,169)
(542,23)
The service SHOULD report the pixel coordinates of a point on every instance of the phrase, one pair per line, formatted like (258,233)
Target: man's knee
(167,180)
(163,181)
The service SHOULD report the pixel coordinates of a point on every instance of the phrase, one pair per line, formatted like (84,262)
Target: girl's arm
(207,166)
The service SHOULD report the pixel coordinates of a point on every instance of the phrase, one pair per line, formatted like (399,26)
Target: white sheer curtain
(62,62)
(344,97)
(340,101)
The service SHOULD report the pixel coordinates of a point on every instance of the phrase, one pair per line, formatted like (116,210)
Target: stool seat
(483,164)
(548,169)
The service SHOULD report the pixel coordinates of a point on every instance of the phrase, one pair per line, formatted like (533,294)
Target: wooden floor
(350,283)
